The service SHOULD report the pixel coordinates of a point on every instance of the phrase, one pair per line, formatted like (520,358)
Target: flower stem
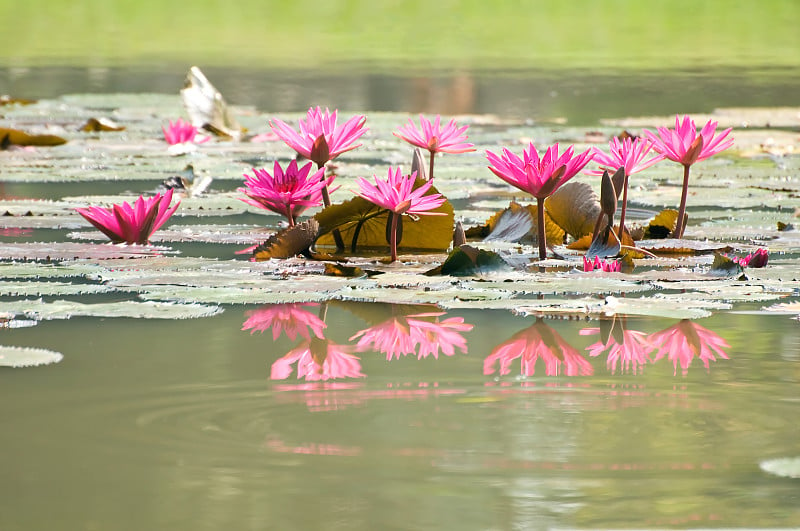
(682,209)
(540,223)
(289,215)
(430,169)
(326,200)
(624,207)
(393,237)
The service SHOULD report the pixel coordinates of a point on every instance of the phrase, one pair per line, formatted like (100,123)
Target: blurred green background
(408,35)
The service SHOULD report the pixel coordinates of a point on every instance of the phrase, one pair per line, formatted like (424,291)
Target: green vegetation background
(402,34)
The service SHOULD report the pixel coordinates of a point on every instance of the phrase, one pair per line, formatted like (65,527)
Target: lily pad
(27,356)
(40,310)
(787,467)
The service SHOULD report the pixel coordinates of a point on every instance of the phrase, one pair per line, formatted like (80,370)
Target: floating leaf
(362,225)
(67,251)
(341,270)
(681,246)
(21,138)
(787,467)
(288,242)
(724,266)
(574,208)
(37,309)
(40,289)
(101,124)
(469,260)
(206,106)
(27,356)
(5,99)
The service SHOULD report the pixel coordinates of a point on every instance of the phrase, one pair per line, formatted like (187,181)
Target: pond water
(272,398)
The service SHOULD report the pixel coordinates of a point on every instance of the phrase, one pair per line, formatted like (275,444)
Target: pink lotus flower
(398,195)
(131,224)
(684,145)
(292,318)
(540,177)
(609,266)
(538,341)
(288,192)
(632,353)
(434,138)
(629,154)
(402,335)
(758,258)
(180,132)
(319,139)
(684,341)
(318,359)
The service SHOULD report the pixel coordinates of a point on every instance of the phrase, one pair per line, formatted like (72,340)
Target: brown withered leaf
(574,208)
(20,138)
(101,124)
(341,270)
(5,99)
(288,242)
(662,225)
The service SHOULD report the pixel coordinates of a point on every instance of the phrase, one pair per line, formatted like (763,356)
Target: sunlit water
(211,423)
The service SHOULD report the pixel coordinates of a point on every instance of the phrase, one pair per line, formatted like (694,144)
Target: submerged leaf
(27,356)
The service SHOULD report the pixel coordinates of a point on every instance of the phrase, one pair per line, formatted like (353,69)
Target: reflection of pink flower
(609,266)
(538,341)
(292,318)
(288,192)
(180,132)
(131,224)
(685,340)
(631,354)
(627,153)
(319,139)
(402,335)
(318,359)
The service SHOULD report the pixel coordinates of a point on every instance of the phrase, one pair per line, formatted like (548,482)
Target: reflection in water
(401,335)
(318,359)
(538,340)
(685,340)
(629,348)
(291,317)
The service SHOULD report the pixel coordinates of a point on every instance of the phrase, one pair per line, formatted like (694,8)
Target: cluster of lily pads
(320,138)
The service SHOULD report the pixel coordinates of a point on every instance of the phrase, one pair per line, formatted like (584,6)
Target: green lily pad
(27,356)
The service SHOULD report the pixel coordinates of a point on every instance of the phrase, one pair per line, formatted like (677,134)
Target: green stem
(430,169)
(540,223)
(679,228)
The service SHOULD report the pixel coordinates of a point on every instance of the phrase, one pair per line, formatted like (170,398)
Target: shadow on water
(580,97)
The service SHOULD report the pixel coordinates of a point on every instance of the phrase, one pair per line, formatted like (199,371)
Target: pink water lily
(609,266)
(758,258)
(537,341)
(684,145)
(540,177)
(318,359)
(684,341)
(398,195)
(287,192)
(293,318)
(180,132)
(320,139)
(627,153)
(435,138)
(131,224)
